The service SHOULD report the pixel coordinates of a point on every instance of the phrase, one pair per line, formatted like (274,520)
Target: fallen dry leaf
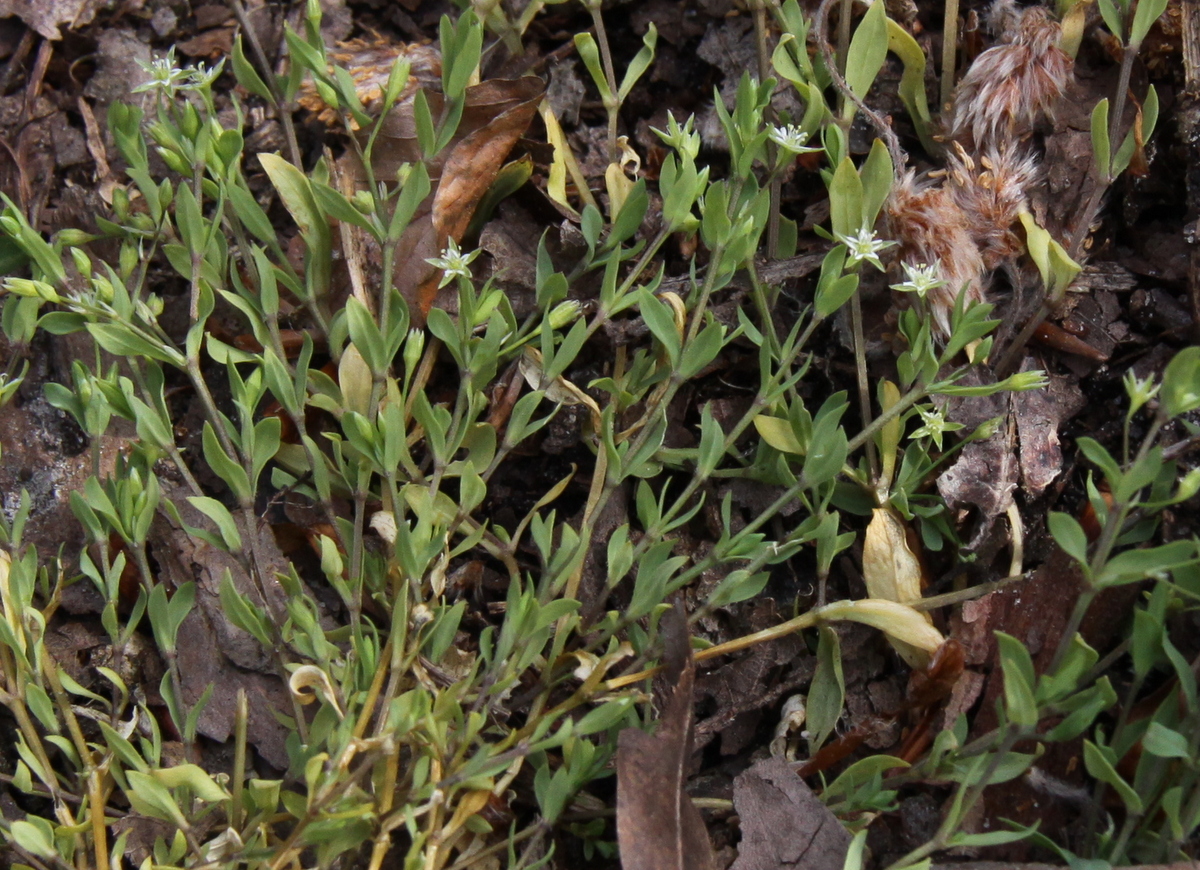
(658,827)
(985,474)
(496,116)
(46,16)
(785,825)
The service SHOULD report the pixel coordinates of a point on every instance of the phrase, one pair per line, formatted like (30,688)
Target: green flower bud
(414,346)
(83,262)
(103,290)
(565,313)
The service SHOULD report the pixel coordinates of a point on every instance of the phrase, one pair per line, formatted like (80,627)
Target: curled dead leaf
(559,389)
(307,680)
(910,631)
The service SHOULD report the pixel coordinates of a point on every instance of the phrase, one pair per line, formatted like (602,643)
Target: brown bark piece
(46,16)
(1039,413)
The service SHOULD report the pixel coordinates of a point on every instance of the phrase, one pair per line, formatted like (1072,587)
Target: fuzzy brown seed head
(930,226)
(1010,88)
(992,195)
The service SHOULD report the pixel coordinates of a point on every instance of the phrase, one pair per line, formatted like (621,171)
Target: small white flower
(165,76)
(936,425)
(453,263)
(921,279)
(791,138)
(864,247)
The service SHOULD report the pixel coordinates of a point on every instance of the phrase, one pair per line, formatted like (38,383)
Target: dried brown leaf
(496,115)
(1039,414)
(658,827)
(46,16)
(785,825)
(212,651)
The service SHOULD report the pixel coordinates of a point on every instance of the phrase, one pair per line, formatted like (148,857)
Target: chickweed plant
(416,715)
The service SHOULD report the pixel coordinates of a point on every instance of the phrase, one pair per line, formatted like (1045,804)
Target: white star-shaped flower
(864,247)
(453,263)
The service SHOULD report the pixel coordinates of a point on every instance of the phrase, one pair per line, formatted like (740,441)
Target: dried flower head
(991,191)
(930,226)
(1010,88)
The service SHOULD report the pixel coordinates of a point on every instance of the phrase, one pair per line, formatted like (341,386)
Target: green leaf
(1147,12)
(846,199)
(335,204)
(585,44)
(702,350)
(712,442)
(833,295)
(1084,708)
(1069,535)
(991,838)
(603,717)
(244,613)
(827,693)
(640,63)
(1181,383)
(633,212)
(151,798)
(461,58)
(224,466)
(912,82)
(661,321)
(868,50)
(120,340)
(245,73)
(193,777)
(1157,562)
(1018,680)
(779,434)
(365,334)
(1099,766)
(296,193)
(1164,742)
(1113,18)
(877,174)
(34,838)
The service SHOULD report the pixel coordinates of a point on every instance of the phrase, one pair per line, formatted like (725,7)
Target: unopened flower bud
(565,313)
(414,346)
